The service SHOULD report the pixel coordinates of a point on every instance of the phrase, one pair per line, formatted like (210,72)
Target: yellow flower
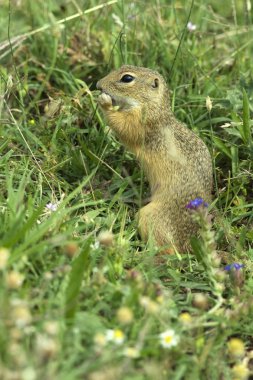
(14,280)
(236,348)
(116,336)
(240,372)
(169,338)
(185,318)
(160,299)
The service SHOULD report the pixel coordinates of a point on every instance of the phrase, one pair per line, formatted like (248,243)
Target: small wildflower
(116,336)
(240,372)
(125,315)
(106,238)
(236,348)
(100,340)
(200,301)
(160,299)
(4,256)
(9,82)
(196,203)
(21,316)
(132,352)
(16,334)
(235,266)
(95,245)
(29,373)
(48,276)
(226,125)
(215,259)
(18,356)
(219,274)
(209,104)
(57,30)
(149,305)
(14,280)
(52,206)
(191,27)
(51,328)
(169,338)
(134,275)
(31,121)
(46,347)
(185,318)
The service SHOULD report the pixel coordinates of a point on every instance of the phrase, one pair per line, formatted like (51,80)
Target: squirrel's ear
(155,83)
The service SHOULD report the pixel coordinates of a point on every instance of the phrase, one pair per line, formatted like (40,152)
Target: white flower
(52,206)
(191,27)
(95,245)
(117,336)
(169,338)
(131,352)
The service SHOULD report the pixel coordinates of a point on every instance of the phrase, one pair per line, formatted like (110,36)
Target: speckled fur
(176,161)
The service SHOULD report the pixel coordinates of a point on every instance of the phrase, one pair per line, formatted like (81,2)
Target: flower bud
(200,301)
(236,348)
(106,238)
(14,280)
(125,315)
(209,104)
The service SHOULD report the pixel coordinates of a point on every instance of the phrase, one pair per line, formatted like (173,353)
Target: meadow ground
(80,296)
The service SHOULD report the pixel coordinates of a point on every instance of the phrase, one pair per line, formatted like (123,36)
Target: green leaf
(235,160)
(221,146)
(79,267)
(246,119)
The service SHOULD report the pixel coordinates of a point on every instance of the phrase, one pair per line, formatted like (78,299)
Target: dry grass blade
(14,42)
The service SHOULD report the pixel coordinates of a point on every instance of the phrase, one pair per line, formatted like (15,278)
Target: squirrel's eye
(127,78)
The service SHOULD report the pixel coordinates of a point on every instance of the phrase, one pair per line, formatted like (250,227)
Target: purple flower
(235,266)
(52,206)
(196,203)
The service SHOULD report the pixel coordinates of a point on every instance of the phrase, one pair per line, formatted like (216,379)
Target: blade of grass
(79,267)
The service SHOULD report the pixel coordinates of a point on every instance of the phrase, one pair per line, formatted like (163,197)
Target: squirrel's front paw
(106,102)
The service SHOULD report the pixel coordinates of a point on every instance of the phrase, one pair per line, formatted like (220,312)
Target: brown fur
(176,161)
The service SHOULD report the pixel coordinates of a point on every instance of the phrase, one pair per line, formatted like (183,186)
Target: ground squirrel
(136,104)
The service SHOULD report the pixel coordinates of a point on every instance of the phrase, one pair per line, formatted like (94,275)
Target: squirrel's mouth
(114,101)
(121,103)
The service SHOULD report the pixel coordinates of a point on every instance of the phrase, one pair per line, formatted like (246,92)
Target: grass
(64,179)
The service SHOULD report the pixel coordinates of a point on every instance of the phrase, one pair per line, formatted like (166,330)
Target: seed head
(106,238)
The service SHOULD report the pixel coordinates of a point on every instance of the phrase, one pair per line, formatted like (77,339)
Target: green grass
(65,284)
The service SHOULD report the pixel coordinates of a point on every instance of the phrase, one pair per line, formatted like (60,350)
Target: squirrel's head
(134,100)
